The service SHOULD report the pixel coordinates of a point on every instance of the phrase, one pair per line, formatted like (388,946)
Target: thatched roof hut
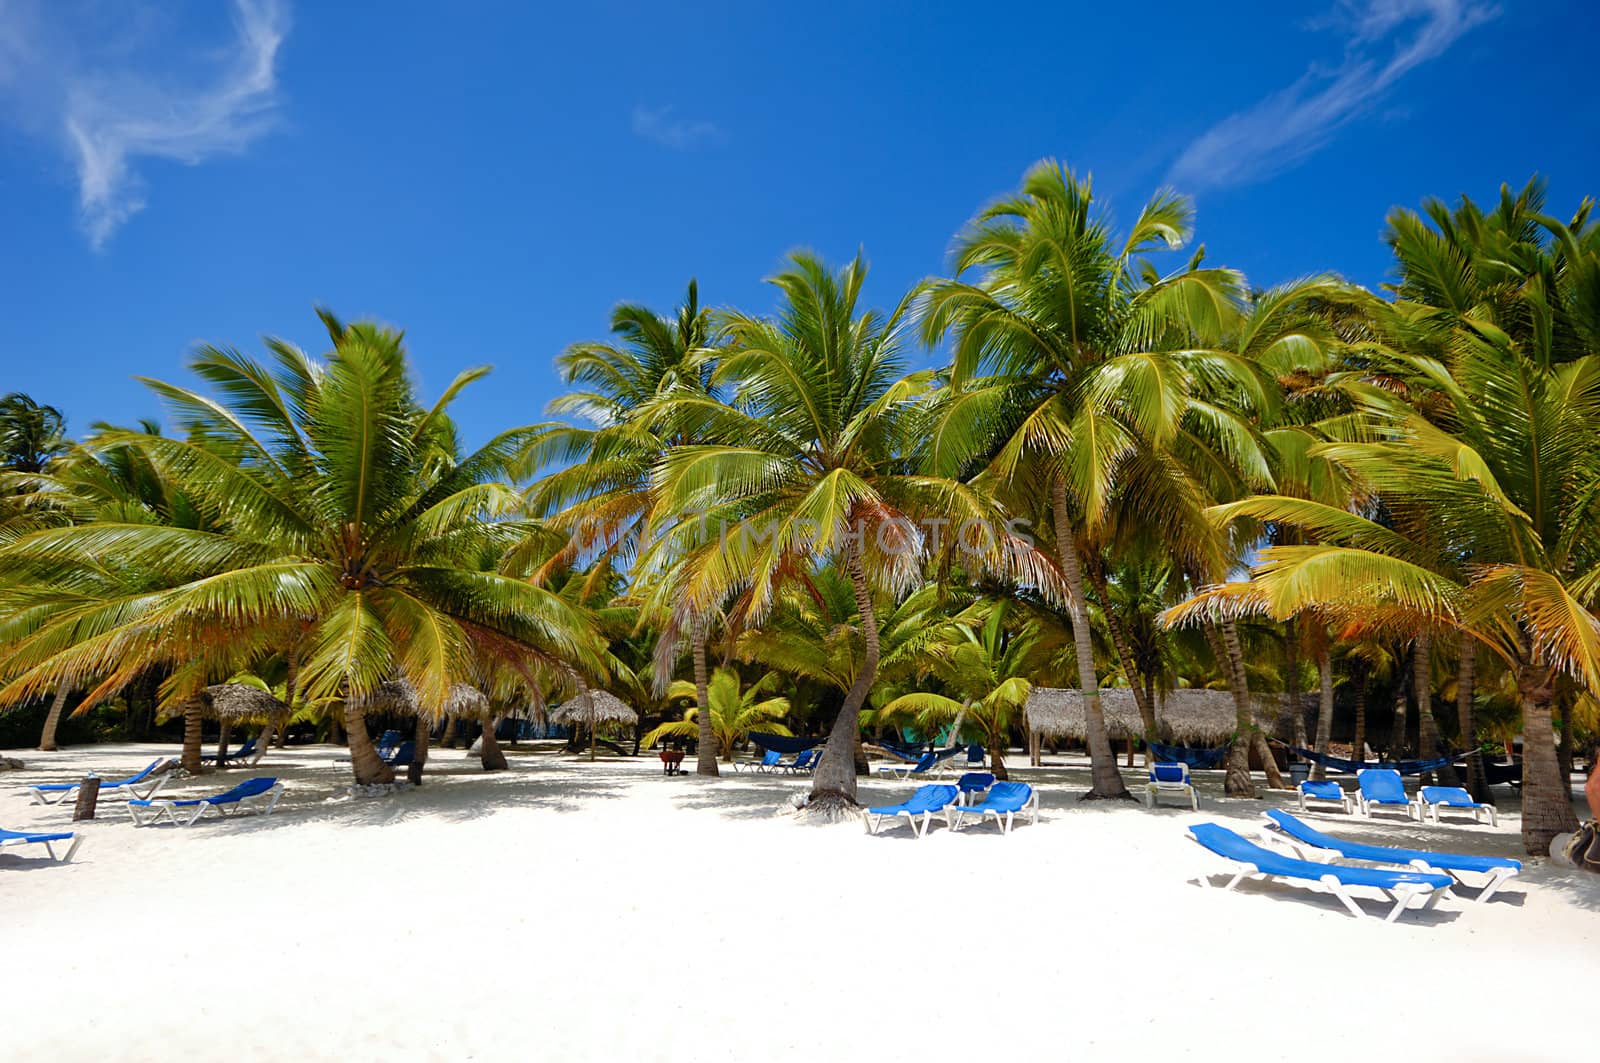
(237,702)
(594,707)
(1188,716)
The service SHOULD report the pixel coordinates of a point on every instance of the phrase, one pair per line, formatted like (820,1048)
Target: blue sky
(493,178)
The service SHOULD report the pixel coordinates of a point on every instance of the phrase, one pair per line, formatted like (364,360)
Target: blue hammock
(784,743)
(1195,758)
(1404,767)
(905,751)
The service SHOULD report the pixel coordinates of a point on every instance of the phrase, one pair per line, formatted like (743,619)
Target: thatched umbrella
(227,703)
(399,697)
(592,708)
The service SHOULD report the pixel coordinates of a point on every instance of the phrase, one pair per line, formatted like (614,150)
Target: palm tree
(734,712)
(982,664)
(339,507)
(1497,450)
(601,500)
(30,434)
(1076,365)
(808,463)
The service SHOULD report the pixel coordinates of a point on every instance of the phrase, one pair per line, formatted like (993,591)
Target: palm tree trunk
(1291,684)
(1546,797)
(1035,749)
(834,788)
(224,731)
(1105,779)
(419,756)
(1428,743)
(489,751)
(191,737)
(47,740)
(1397,734)
(997,756)
(365,763)
(1225,645)
(1359,742)
(1466,669)
(1124,649)
(448,739)
(1324,709)
(706,747)
(336,733)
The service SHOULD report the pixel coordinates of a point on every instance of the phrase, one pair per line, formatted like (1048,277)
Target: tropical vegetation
(1123,466)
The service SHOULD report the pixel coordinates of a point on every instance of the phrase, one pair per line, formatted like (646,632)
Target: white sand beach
(565,910)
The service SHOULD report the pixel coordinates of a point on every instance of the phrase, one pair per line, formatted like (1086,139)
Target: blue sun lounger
(244,752)
(1421,889)
(1004,801)
(24,837)
(1436,798)
(1310,844)
(1326,791)
(769,760)
(1381,788)
(53,793)
(919,810)
(972,784)
(1171,778)
(805,760)
(221,804)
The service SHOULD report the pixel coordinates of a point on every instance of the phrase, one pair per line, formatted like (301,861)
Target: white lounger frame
(49,847)
(1405,896)
(151,788)
(1004,819)
(1477,810)
(1347,803)
(1495,879)
(159,810)
(920,821)
(1154,788)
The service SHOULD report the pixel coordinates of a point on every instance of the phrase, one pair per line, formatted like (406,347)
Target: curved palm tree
(1075,365)
(806,464)
(344,525)
(601,499)
(734,712)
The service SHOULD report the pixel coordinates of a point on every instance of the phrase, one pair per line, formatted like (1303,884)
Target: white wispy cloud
(1384,40)
(661,125)
(113,104)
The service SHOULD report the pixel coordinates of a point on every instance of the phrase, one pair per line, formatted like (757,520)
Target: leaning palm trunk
(365,763)
(834,790)
(47,740)
(1324,709)
(1225,645)
(1397,736)
(490,753)
(1292,680)
(706,746)
(1105,779)
(1123,646)
(190,758)
(1428,743)
(1359,742)
(419,756)
(1477,778)
(1546,796)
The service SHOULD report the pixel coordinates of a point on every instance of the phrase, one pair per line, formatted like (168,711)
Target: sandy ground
(565,910)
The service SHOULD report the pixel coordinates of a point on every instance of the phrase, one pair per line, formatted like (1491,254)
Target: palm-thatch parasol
(239,702)
(592,708)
